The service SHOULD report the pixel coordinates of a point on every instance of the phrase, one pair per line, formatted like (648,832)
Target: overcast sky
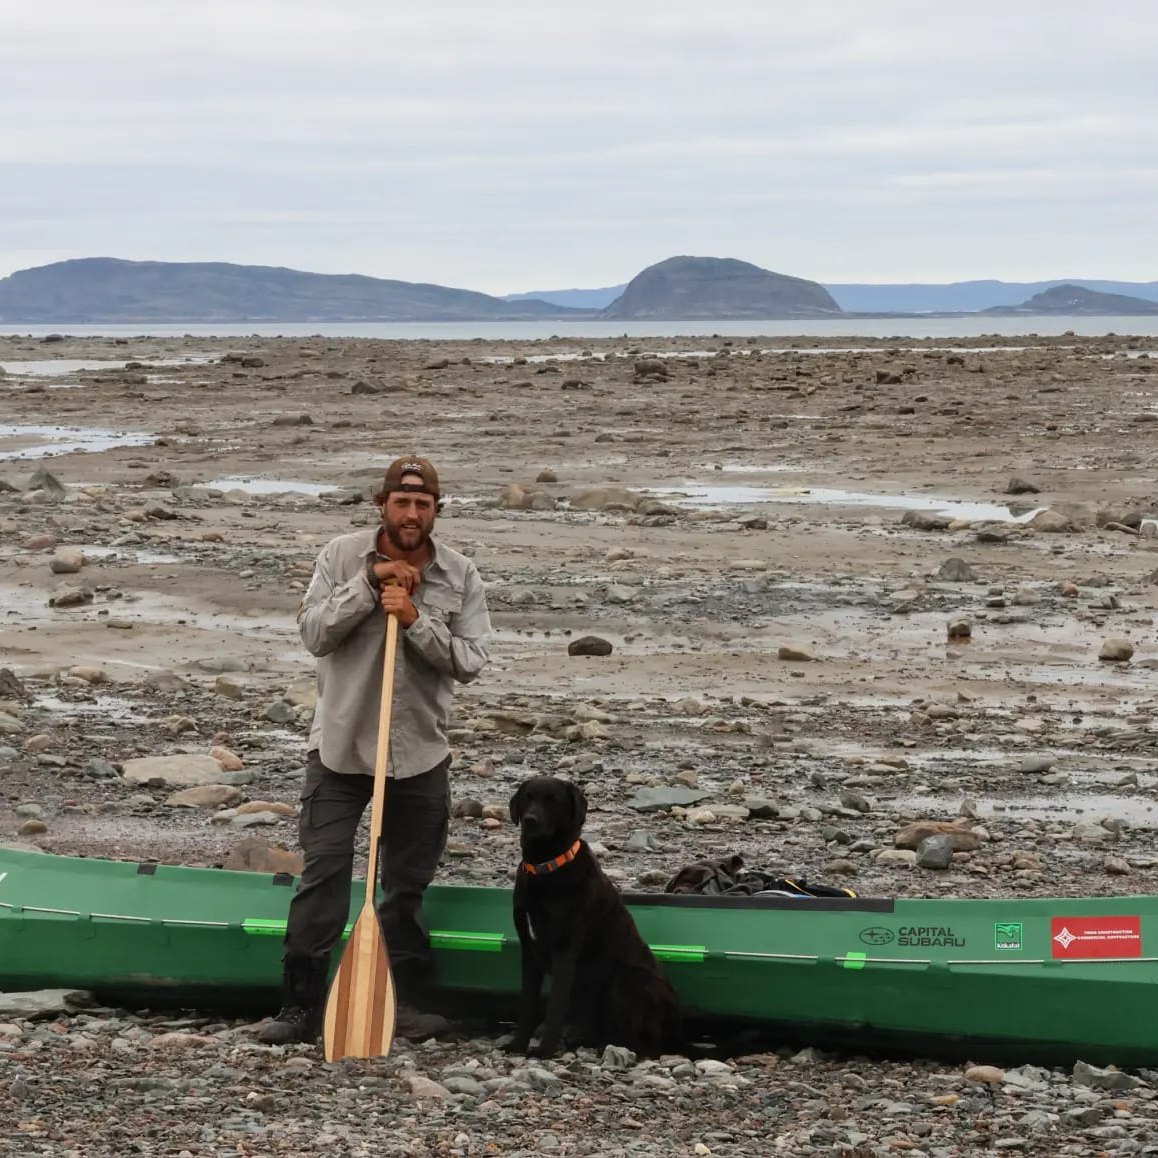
(509,145)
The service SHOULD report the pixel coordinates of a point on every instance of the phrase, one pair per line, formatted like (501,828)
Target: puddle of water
(27,442)
(112,708)
(1140,811)
(127,555)
(59,367)
(533,359)
(747,467)
(54,367)
(268,486)
(110,554)
(30,607)
(708,496)
(744,352)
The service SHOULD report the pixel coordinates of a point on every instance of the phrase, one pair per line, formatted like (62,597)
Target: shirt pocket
(442,605)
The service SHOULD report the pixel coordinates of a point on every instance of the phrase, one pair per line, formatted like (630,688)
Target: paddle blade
(360,1007)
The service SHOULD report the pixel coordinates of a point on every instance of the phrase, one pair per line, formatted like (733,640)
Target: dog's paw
(515,1044)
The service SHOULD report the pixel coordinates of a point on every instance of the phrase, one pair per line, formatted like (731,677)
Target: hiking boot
(303,1003)
(293,1024)
(412,1022)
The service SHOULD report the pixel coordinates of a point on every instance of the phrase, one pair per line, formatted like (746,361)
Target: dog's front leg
(532,989)
(564,962)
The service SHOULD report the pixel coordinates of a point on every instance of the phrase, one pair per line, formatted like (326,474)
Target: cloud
(523,143)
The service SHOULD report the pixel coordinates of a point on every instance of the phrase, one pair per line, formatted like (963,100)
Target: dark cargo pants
(414,833)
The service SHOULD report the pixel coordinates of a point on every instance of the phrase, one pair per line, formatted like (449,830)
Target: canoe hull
(1047,980)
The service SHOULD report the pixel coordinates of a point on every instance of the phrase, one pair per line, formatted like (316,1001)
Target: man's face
(409,516)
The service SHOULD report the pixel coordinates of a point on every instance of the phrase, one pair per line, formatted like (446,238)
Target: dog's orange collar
(554,865)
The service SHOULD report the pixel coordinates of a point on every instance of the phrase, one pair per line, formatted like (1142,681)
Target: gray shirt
(342,623)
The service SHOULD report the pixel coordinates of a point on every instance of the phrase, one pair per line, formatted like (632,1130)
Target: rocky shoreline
(842,594)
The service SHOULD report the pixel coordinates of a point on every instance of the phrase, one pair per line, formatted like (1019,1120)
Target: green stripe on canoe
(443,939)
(261,927)
(689,954)
(479,942)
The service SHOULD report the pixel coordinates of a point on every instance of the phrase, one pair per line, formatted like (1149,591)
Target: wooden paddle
(360,1008)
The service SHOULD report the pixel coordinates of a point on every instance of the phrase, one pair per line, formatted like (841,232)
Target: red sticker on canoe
(1075,937)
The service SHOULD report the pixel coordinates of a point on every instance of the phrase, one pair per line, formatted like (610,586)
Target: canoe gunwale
(729,903)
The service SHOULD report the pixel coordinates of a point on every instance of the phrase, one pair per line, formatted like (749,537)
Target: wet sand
(780,636)
(757,530)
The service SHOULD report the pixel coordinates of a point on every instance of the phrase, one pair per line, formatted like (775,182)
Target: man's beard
(394,534)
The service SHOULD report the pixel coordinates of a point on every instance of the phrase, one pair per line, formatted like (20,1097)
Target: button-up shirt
(342,623)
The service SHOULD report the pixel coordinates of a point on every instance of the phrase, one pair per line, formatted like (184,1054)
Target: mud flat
(845,589)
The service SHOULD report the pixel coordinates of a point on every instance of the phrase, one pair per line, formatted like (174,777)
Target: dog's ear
(517,802)
(578,805)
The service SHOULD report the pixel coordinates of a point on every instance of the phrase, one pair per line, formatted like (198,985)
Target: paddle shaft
(378,801)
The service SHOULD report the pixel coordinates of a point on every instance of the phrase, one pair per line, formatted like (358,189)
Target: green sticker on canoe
(855,960)
(1007,935)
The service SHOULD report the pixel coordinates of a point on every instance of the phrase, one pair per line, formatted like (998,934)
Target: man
(444,629)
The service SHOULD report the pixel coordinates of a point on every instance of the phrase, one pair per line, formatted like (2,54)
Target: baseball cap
(410,464)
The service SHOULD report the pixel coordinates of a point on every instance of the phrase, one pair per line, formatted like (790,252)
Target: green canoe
(1047,980)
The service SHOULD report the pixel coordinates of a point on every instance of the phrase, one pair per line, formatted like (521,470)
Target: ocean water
(532,331)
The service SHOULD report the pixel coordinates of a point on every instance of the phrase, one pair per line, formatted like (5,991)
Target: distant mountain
(686,288)
(965,296)
(903,298)
(1075,299)
(105,289)
(581,299)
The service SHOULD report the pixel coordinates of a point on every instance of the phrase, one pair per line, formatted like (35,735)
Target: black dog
(605,983)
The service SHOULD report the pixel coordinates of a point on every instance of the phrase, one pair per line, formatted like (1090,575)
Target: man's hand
(395,600)
(395,571)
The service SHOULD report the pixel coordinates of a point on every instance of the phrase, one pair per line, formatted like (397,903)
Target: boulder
(1021,486)
(1116,651)
(514,497)
(45,481)
(794,654)
(229,761)
(651,368)
(913,835)
(71,597)
(205,796)
(604,498)
(935,852)
(956,570)
(926,520)
(37,1003)
(658,799)
(66,561)
(302,692)
(12,686)
(185,771)
(253,854)
(1051,522)
(589,645)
